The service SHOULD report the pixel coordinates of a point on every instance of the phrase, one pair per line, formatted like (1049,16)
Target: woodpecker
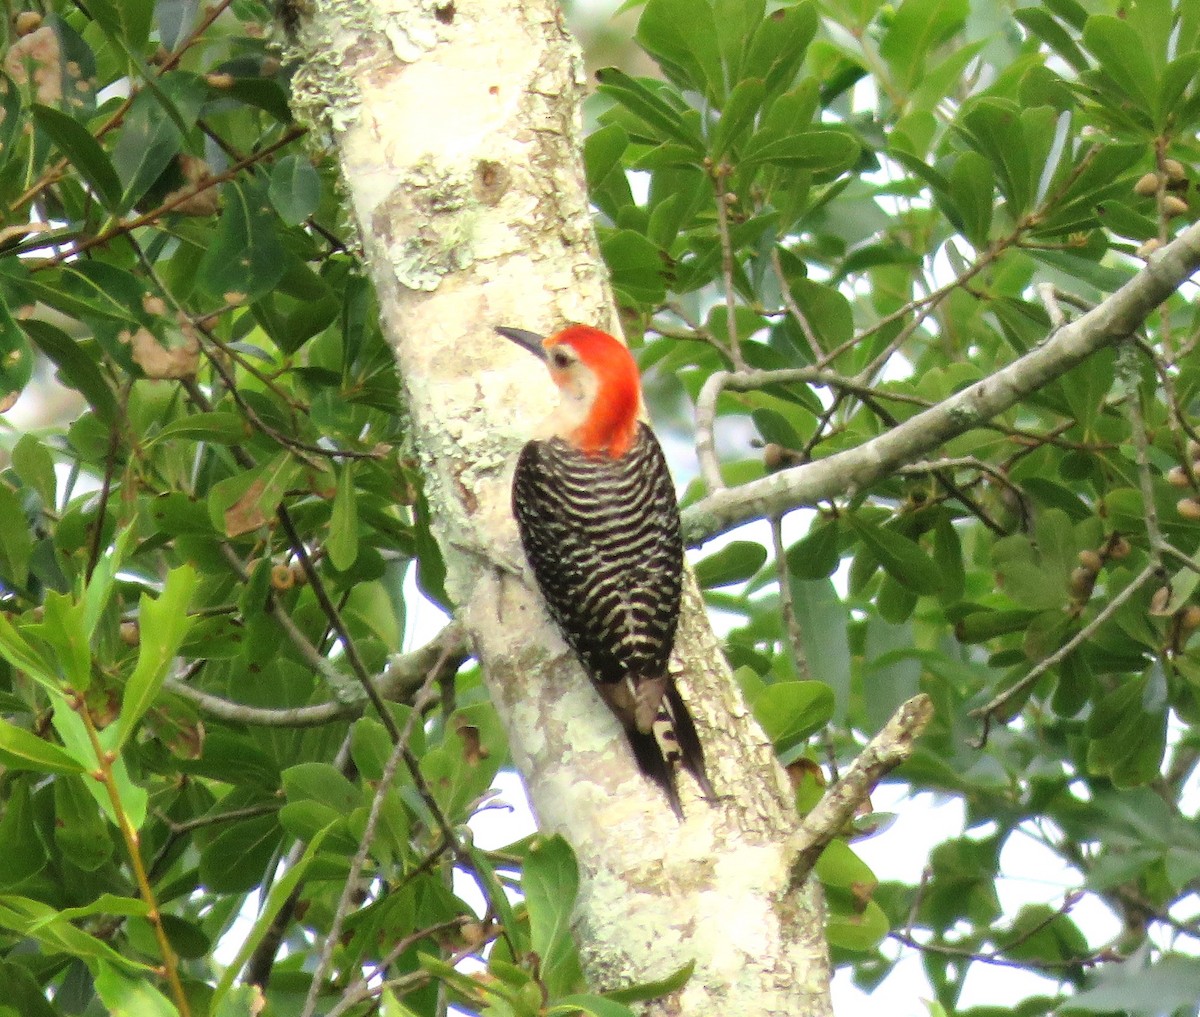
(599,523)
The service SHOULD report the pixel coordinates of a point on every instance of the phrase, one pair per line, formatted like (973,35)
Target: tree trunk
(457,128)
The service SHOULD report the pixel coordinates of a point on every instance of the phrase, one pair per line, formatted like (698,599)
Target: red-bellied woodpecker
(600,526)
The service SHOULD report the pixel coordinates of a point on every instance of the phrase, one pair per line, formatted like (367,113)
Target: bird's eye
(560,359)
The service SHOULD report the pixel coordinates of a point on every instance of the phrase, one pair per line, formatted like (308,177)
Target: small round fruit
(1083,580)
(1174,206)
(1146,185)
(27,21)
(1189,508)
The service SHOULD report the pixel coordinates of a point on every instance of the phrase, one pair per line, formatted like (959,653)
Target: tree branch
(882,754)
(850,471)
(402,677)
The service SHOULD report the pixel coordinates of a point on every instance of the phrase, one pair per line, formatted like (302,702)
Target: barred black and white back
(602,536)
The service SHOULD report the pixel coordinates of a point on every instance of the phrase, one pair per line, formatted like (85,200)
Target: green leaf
(602,151)
(23,996)
(342,544)
(295,189)
(39,921)
(129,23)
(736,562)
(903,559)
(1045,27)
(550,882)
(247,501)
(792,711)
(1119,49)
(64,630)
(21,845)
(23,750)
(245,259)
(80,831)
(815,556)
(16,539)
(737,118)
(641,98)
(735,22)
(76,368)
(221,426)
(35,466)
(994,129)
(83,151)
(840,866)
(24,657)
(822,618)
(99,587)
(825,152)
(682,36)
(321,782)
(636,266)
(593,1006)
(653,990)
(234,860)
(972,191)
(163,623)
(850,929)
(76,739)
(918,27)
(948,557)
(148,142)
(1171,984)
(777,49)
(1087,386)
(827,311)
(247,1000)
(11,119)
(16,357)
(127,995)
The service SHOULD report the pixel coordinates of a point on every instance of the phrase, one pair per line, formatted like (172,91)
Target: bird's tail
(672,739)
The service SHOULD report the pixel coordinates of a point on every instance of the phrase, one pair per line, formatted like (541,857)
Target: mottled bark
(457,127)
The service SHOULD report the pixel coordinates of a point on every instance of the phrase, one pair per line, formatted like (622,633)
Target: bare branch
(441,657)
(1110,322)
(882,754)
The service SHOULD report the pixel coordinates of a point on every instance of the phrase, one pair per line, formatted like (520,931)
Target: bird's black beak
(530,341)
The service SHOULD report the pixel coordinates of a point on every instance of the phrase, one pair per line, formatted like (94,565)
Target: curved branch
(882,754)
(1108,323)
(403,676)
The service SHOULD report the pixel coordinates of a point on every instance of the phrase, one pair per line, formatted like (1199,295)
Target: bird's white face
(577,386)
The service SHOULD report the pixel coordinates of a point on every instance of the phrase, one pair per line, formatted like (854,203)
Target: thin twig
(814,344)
(996,956)
(719,176)
(351,886)
(129,835)
(110,465)
(1128,370)
(786,608)
(989,712)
